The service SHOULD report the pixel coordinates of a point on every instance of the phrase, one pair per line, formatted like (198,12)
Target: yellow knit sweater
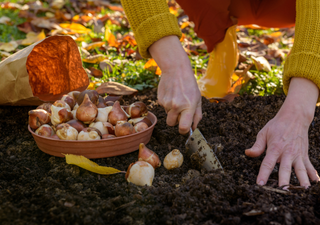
(151,20)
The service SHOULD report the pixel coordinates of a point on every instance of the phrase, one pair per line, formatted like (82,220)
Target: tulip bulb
(147,155)
(60,115)
(145,120)
(173,160)
(139,127)
(38,117)
(109,103)
(107,136)
(101,103)
(137,109)
(69,100)
(103,127)
(55,136)
(62,104)
(123,128)
(92,94)
(77,124)
(103,114)
(45,130)
(87,111)
(89,133)
(117,114)
(140,173)
(46,106)
(74,94)
(66,132)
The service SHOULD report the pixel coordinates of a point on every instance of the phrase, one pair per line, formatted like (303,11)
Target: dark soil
(36,188)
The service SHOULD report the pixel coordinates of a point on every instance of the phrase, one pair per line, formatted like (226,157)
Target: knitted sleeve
(304,59)
(150,20)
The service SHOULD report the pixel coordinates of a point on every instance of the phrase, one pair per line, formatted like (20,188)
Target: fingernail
(261,182)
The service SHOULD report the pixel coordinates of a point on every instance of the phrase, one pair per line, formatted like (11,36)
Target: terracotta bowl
(97,148)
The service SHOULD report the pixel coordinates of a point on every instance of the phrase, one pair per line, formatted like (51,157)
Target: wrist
(301,99)
(170,55)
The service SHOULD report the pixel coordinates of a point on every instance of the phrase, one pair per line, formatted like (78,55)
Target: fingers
(267,166)
(185,121)
(301,172)
(285,170)
(259,146)
(312,173)
(197,117)
(172,117)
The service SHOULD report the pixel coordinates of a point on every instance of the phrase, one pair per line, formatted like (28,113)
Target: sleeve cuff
(155,28)
(302,64)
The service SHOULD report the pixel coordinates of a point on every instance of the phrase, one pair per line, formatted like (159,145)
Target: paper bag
(42,72)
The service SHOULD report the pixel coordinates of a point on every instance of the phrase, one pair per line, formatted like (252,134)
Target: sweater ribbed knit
(151,20)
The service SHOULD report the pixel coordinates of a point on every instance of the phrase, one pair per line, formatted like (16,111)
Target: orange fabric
(212,17)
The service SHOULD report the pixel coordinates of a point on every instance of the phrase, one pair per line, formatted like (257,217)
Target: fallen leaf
(130,40)
(57,4)
(75,28)
(94,59)
(115,8)
(111,39)
(33,37)
(96,73)
(106,65)
(42,23)
(151,65)
(184,25)
(87,164)
(114,88)
(261,63)
(94,45)
(9,47)
(4,19)
(6,54)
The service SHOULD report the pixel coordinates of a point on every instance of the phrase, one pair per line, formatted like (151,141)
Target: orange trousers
(213,17)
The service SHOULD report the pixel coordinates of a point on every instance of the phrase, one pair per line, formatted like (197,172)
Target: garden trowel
(199,149)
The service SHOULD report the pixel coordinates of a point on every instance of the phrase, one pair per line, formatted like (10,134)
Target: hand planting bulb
(103,114)
(89,133)
(173,160)
(60,115)
(140,173)
(45,130)
(66,132)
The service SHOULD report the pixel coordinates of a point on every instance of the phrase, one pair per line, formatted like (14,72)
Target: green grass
(11,32)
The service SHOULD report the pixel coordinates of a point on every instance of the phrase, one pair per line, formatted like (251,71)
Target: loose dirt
(36,188)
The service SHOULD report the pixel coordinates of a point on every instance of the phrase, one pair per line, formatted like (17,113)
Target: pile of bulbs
(88,116)
(142,171)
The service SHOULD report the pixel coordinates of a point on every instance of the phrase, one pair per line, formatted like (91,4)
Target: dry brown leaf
(114,88)
(96,73)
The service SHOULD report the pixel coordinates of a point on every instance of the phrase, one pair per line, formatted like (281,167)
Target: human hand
(286,136)
(178,90)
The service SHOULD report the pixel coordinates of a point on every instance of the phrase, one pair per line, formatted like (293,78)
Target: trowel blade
(196,143)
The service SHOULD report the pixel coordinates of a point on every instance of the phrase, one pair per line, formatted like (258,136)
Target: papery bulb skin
(77,124)
(101,126)
(101,103)
(74,95)
(173,160)
(38,117)
(60,115)
(55,136)
(147,155)
(66,132)
(144,119)
(45,130)
(103,114)
(108,136)
(109,103)
(69,100)
(46,106)
(92,94)
(87,111)
(62,104)
(89,133)
(123,128)
(139,127)
(117,114)
(137,109)
(140,173)
(74,111)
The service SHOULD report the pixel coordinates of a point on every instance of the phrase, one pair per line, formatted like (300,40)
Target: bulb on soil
(140,173)
(147,155)
(173,160)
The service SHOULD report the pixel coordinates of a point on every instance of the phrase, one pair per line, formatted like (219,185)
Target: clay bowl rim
(101,140)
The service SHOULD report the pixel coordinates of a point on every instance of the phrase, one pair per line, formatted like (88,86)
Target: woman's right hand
(178,90)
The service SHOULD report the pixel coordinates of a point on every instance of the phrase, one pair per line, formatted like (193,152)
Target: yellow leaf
(173,10)
(94,59)
(9,47)
(75,28)
(94,45)
(151,65)
(87,164)
(111,39)
(184,25)
(91,86)
(33,37)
